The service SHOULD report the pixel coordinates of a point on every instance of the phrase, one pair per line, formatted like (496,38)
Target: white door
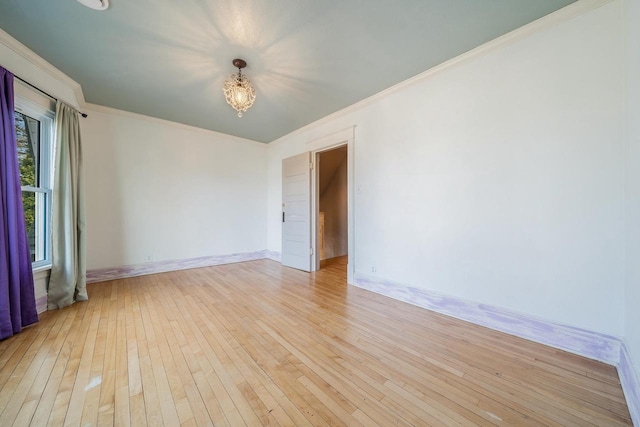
(296,212)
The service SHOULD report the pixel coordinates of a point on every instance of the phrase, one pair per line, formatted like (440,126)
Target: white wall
(333,202)
(632,297)
(161,191)
(499,179)
(502,178)
(156,190)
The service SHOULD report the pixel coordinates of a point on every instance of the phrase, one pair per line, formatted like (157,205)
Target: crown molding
(558,17)
(27,54)
(24,52)
(154,120)
(563,15)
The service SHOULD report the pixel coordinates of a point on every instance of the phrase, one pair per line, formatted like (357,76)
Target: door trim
(335,140)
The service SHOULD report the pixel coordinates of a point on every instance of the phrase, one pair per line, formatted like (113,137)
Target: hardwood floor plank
(256,343)
(193,356)
(74,359)
(93,388)
(49,352)
(82,377)
(21,378)
(176,342)
(68,333)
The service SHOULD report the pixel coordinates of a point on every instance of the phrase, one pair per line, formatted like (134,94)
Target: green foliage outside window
(28,169)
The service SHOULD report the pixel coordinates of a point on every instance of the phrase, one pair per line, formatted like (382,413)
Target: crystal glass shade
(239,93)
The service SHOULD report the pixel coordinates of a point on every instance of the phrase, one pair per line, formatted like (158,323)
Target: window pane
(29,203)
(28,136)
(34,204)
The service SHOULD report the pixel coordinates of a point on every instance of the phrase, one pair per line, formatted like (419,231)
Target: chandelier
(238,90)
(96,4)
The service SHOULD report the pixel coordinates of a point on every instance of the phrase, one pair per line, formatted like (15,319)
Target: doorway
(301,201)
(331,207)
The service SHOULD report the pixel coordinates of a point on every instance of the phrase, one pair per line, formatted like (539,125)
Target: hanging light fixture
(96,4)
(238,90)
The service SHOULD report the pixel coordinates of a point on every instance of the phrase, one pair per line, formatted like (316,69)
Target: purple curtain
(17,300)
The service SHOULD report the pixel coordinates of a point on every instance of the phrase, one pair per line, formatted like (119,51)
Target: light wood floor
(258,344)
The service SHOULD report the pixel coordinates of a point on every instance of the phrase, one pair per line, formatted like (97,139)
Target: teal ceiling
(307,58)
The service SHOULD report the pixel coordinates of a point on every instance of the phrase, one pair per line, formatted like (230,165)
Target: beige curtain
(68,273)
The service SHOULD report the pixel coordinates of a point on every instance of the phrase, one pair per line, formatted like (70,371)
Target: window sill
(40,268)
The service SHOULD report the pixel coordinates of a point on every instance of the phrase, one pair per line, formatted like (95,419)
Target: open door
(330,190)
(296,212)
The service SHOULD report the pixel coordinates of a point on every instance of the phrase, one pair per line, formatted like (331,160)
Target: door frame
(335,140)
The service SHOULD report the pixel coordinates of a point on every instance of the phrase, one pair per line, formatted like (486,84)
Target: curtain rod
(43,92)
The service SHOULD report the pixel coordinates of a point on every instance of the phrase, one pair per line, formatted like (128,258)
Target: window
(34,135)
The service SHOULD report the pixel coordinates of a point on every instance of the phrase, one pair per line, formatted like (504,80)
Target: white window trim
(39,111)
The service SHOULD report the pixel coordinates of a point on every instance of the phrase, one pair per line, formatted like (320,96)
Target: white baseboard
(41,304)
(585,343)
(630,384)
(274,256)
(40,285)
(104,274)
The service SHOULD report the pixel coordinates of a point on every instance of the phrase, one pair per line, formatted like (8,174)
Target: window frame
(46,116)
